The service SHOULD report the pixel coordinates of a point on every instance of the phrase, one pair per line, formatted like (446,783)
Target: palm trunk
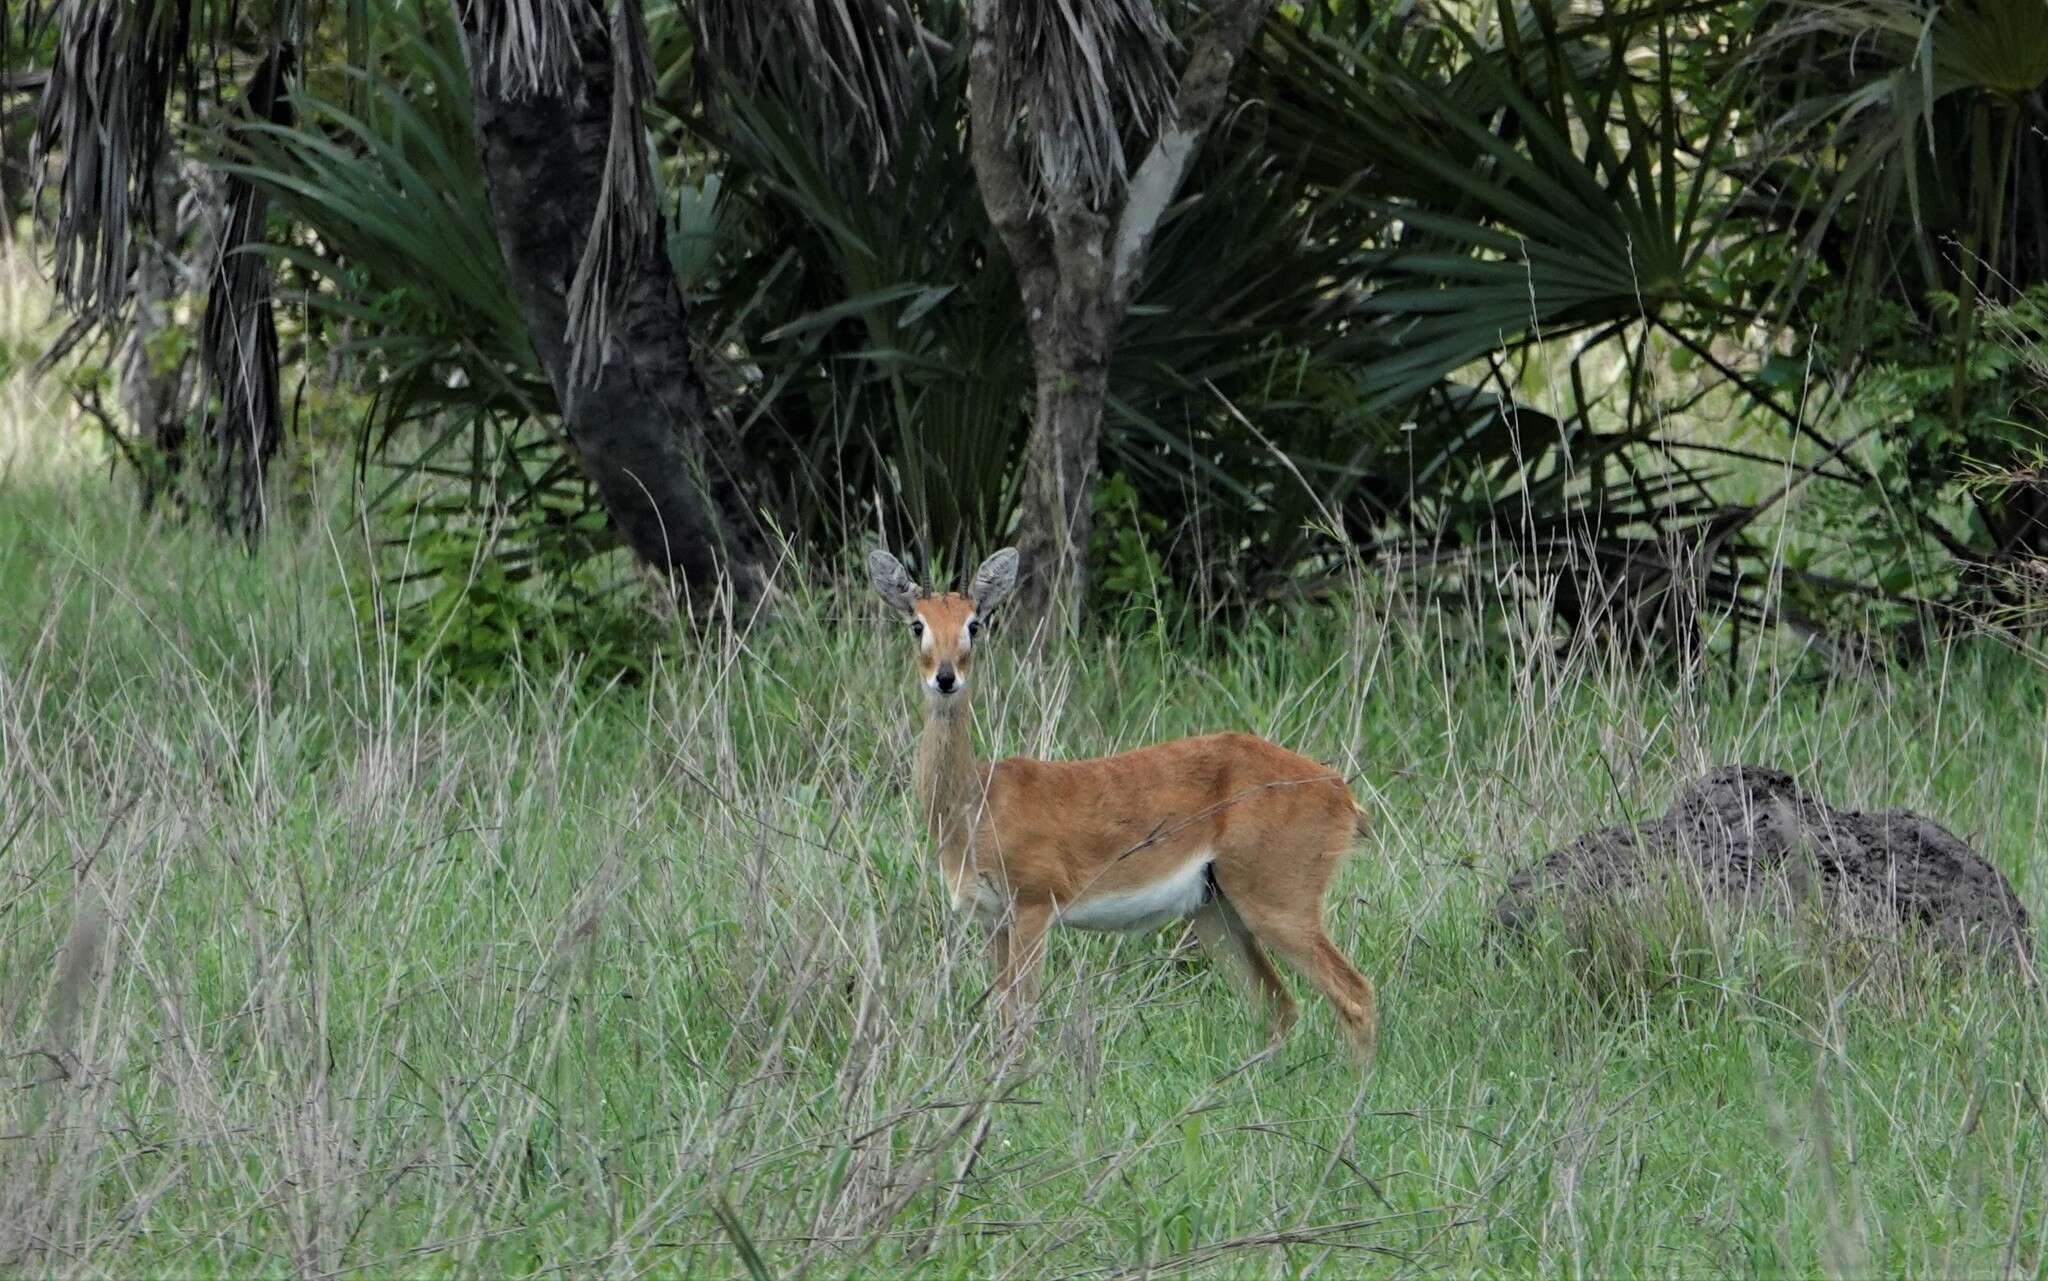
(1071,345)
(638,417)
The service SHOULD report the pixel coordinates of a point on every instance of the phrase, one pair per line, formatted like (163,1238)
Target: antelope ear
(892,582)
(995,579)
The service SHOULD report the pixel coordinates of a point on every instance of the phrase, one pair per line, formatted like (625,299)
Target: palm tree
(584,238)
(557,88)
(1045,80)
(1082,133)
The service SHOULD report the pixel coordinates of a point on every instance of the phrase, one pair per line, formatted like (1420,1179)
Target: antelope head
(945,626)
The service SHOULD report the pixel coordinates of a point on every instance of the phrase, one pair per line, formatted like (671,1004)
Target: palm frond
(886,331)
(1901,129)
(1554,178)
(1526,199)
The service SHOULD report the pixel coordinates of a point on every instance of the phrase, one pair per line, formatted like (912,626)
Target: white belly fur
(1145,907)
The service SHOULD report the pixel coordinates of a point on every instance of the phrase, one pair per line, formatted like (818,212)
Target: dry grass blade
(1321,1234)
(397,982)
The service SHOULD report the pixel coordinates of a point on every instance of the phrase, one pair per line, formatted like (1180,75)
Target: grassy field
(306,969)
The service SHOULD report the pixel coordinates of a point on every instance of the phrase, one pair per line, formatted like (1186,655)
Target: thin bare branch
(1204,88)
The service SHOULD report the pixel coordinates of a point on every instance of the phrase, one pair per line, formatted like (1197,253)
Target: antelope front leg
(1019,949)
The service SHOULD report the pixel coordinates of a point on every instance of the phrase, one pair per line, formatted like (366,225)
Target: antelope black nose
(944,680)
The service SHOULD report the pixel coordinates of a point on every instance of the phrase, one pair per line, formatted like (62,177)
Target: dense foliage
(1686,318)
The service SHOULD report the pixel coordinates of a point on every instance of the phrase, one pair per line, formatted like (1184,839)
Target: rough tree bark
(639,417)
(1077,267)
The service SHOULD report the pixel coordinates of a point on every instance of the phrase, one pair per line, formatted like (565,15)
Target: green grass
(306,969)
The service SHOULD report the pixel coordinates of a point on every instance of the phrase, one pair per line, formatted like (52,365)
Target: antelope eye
(917,627)
(974,627)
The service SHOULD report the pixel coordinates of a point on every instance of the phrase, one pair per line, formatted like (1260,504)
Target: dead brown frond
(102,136)
(627,224)
(853,65)
(1078,70)
(525,47)
(240,335)
(105,110)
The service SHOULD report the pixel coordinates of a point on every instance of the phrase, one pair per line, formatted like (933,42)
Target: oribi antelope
(1233,831)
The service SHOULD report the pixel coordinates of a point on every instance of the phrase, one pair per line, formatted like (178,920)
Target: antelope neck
(947,781)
